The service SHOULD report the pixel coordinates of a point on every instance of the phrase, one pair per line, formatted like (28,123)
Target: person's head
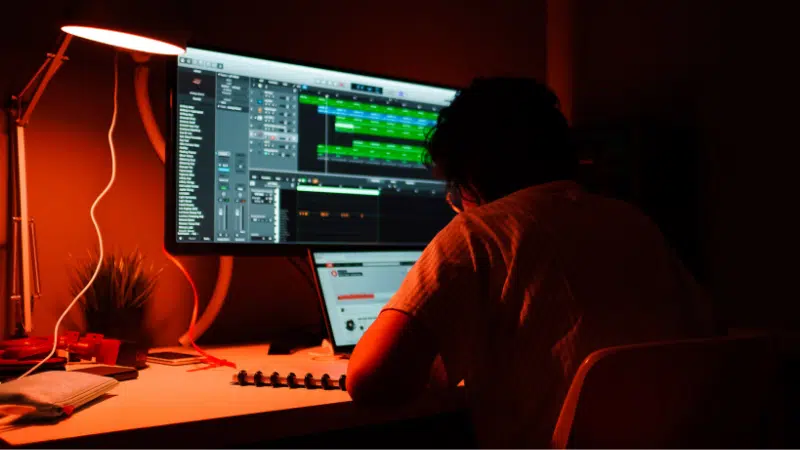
(498,136)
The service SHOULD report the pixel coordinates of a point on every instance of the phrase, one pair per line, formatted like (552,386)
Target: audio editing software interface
(271,152)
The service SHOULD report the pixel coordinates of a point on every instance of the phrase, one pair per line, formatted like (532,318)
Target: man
(530,277)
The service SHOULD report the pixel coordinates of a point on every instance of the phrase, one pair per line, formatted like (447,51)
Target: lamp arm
(225,270)
(22,111)
(25,110)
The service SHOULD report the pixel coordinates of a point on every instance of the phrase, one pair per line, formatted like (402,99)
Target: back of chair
(703,393)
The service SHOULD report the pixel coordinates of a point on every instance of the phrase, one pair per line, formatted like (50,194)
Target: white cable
(94,221)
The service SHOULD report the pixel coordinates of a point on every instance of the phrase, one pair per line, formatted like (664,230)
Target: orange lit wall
(69,161)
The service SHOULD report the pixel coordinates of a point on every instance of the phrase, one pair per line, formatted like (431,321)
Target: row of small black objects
(291,380)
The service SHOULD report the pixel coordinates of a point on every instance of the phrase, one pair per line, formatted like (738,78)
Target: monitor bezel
(341,349)
(246,249)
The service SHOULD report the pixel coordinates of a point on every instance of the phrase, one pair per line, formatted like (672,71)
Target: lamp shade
(128,41)
(129,25)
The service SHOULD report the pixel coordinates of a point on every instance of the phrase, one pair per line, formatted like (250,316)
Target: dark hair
(501,135)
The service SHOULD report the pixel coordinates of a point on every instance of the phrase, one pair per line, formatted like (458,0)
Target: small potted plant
(114,305)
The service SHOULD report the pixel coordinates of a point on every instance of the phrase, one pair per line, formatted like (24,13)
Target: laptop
(353,287)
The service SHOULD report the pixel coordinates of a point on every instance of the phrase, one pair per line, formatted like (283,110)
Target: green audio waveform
(380,128)
(376,150)
(367,107)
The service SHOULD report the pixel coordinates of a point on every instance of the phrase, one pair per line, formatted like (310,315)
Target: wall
(753,240)
(640,72)
(708,89)
(69,159)
(3,223)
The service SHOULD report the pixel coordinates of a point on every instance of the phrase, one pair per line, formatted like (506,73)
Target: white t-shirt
(519,291)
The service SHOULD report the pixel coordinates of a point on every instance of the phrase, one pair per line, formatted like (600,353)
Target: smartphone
(174,358)
(119,373)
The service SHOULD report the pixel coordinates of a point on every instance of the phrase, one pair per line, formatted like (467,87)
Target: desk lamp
(117,33)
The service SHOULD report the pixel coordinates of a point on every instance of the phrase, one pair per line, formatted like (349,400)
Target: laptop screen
(355,286)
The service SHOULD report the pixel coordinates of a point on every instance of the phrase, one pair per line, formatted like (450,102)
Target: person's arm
(393,361)
(434,312)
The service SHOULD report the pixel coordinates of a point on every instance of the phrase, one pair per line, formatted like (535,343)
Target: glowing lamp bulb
(124,40)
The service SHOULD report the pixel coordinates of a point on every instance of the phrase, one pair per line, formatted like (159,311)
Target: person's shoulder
(521,202)
(465,233)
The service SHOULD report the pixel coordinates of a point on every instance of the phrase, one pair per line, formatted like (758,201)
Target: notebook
(51,394)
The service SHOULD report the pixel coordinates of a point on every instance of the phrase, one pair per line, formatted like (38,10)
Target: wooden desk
(169,406)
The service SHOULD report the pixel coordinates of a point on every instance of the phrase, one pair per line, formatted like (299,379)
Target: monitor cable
(211,360)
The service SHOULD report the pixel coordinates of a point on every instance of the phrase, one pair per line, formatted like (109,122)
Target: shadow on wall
(271,299)
(656,166)
(645,74)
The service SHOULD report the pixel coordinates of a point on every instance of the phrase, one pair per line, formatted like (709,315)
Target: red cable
(213,361)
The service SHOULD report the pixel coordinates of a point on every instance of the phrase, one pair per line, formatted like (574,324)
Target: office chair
(729,392)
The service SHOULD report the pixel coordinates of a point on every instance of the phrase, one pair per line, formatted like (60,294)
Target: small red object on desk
(92,345)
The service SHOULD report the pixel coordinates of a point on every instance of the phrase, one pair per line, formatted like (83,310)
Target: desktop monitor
(268,155)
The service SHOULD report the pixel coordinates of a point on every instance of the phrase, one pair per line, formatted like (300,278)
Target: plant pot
(135,342)
(133,354)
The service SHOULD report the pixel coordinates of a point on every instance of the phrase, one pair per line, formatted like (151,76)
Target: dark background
(685,106)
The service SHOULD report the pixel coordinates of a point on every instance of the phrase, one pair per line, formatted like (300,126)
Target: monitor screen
(267,152)
(354,287)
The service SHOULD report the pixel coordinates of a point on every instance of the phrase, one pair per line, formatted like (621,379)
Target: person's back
(530,277)
(568,273)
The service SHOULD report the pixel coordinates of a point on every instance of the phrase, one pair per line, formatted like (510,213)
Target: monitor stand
(291,342)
